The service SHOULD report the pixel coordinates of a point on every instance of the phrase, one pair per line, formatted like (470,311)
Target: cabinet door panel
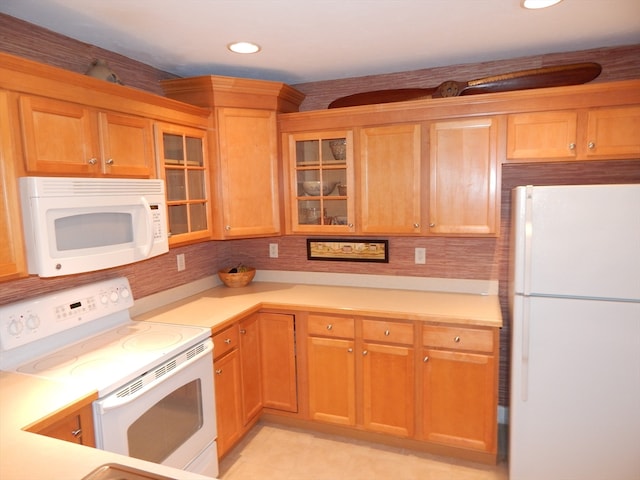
(277,350)
(228,408)
(250,368)
(389,162)
(59,137)
(248,172)
(464,177)
(389,398)
(538,135)
(613,133)
(127,145)
(331,374)
(460,399)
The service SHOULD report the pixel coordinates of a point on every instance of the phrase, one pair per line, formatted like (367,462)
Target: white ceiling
(311,40)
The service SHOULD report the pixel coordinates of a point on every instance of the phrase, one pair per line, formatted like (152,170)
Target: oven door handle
(139,387)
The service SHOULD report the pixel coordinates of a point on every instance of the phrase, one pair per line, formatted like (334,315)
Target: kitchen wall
(483,258)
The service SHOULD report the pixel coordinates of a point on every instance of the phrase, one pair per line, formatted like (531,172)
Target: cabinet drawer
(225,341)
(457,338)
(382,331)
(329,326)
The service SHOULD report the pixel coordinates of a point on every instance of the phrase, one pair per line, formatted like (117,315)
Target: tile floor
(274,452)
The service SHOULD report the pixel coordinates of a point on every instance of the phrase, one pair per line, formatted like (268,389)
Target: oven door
(170,421)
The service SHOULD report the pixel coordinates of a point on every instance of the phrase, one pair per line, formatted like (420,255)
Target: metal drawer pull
(456,339)
(227,341)
(386,333)
(76,433)
(329,327)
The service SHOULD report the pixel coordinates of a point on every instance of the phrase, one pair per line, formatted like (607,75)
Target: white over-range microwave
(75,225)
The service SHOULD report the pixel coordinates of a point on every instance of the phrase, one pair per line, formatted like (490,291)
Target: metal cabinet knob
(425,359)
(416,225)
(227,341)
(456,339)
(365,352)
(329,327)
(227,227)
(77,433)
(243,331)
(92,161)
(349,350)
(351,225)
(386,333)
(109,161)
(591,145)
(572,146)
(219,371)
(432,225)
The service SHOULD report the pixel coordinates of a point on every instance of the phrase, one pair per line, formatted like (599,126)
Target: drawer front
(393,332)
(225,341)
(457,338)
(330,326)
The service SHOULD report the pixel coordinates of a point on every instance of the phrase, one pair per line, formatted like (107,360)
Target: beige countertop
(216,307)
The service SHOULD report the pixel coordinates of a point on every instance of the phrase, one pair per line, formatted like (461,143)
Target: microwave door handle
(149,222)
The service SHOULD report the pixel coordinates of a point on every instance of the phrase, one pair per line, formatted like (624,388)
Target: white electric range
(154,380)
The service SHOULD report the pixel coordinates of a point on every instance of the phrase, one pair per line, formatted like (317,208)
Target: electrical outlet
(420,255)
(273,250)
(180,260)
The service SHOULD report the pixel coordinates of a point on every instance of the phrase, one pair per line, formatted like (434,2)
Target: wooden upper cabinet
(182,154)
(542,135)
(464,177)
(64,138)
(613,133)
(248,172)
(12,258)
(599,133)
(59,137)
(390,179)
(127,145)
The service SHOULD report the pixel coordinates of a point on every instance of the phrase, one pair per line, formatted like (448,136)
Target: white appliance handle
(149,225)
(524,357)
(114,401)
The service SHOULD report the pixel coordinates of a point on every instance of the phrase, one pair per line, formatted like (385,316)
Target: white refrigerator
(575,355)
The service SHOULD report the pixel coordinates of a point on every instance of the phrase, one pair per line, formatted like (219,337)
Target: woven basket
(234,280)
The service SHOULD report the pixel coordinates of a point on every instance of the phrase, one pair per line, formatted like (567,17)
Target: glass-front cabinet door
(183,163)
(321,182)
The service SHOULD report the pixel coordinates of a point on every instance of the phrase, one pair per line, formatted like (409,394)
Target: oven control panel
(40,317)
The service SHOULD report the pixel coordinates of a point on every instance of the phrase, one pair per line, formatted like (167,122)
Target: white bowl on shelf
(312,187)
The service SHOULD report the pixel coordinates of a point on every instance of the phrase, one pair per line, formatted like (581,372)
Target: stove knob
(114,296)
(33,322)
(124,292)
(104,298)
(15,327)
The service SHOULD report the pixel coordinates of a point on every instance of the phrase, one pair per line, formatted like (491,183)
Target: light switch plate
(420,255)
(273,250)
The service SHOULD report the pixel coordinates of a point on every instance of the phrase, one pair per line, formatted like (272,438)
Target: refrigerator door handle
(524,359)
(528,233)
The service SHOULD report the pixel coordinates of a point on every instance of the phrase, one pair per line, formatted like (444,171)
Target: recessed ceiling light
(243,47)
(535,4)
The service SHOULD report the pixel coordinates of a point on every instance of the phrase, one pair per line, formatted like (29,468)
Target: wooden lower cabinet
(278,361)
(74,424)
(388,389)
(459,381)
(250,368)
(332,386)
(227,380)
